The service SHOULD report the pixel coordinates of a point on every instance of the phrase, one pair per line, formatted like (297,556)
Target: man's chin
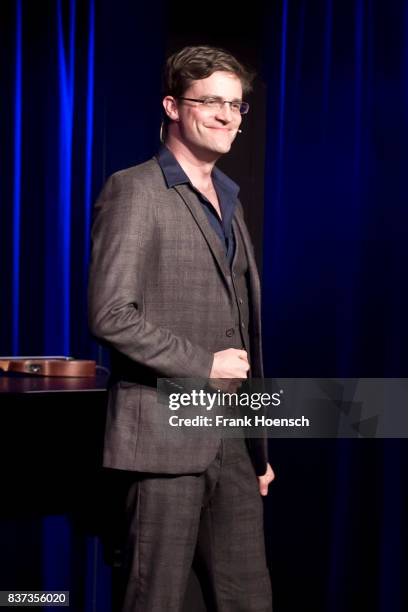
(212,153)
(222,148)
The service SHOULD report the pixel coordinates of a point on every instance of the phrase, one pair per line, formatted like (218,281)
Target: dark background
(322,167)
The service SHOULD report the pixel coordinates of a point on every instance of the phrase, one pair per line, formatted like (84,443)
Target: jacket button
(243,325)
(241,301)
(230,332)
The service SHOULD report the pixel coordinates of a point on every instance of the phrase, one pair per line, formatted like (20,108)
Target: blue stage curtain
(335,291)
(64,128)
(335,250)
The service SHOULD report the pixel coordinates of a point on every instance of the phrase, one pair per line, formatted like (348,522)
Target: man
(174,292)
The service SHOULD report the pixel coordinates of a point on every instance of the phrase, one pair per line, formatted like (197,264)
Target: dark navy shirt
(227,192)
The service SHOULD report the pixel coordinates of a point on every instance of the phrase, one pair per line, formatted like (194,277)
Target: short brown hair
(194,63)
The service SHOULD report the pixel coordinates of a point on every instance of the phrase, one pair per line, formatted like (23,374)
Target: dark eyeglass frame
(219,102)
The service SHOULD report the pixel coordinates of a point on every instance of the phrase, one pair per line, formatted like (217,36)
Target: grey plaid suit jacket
(159,297)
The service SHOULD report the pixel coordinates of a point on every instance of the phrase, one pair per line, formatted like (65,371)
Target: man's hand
(231,363)
(265,480)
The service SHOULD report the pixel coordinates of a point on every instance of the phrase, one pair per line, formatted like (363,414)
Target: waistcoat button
(230,332)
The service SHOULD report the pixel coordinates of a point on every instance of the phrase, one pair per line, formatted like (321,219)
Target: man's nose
(225,112)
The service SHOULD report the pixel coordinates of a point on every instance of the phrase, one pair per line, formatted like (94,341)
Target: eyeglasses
(217,104)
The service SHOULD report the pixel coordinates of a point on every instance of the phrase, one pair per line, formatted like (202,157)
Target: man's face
(209,133)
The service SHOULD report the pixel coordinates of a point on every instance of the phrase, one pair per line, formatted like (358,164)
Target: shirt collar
(175,175)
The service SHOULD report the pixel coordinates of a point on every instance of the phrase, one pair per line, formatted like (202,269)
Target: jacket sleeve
(123,243)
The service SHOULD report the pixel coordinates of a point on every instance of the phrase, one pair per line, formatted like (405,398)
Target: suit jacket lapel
(254,296)
(253,272)
(210,236)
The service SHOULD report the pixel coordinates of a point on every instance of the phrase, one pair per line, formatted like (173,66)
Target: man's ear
(170,108)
